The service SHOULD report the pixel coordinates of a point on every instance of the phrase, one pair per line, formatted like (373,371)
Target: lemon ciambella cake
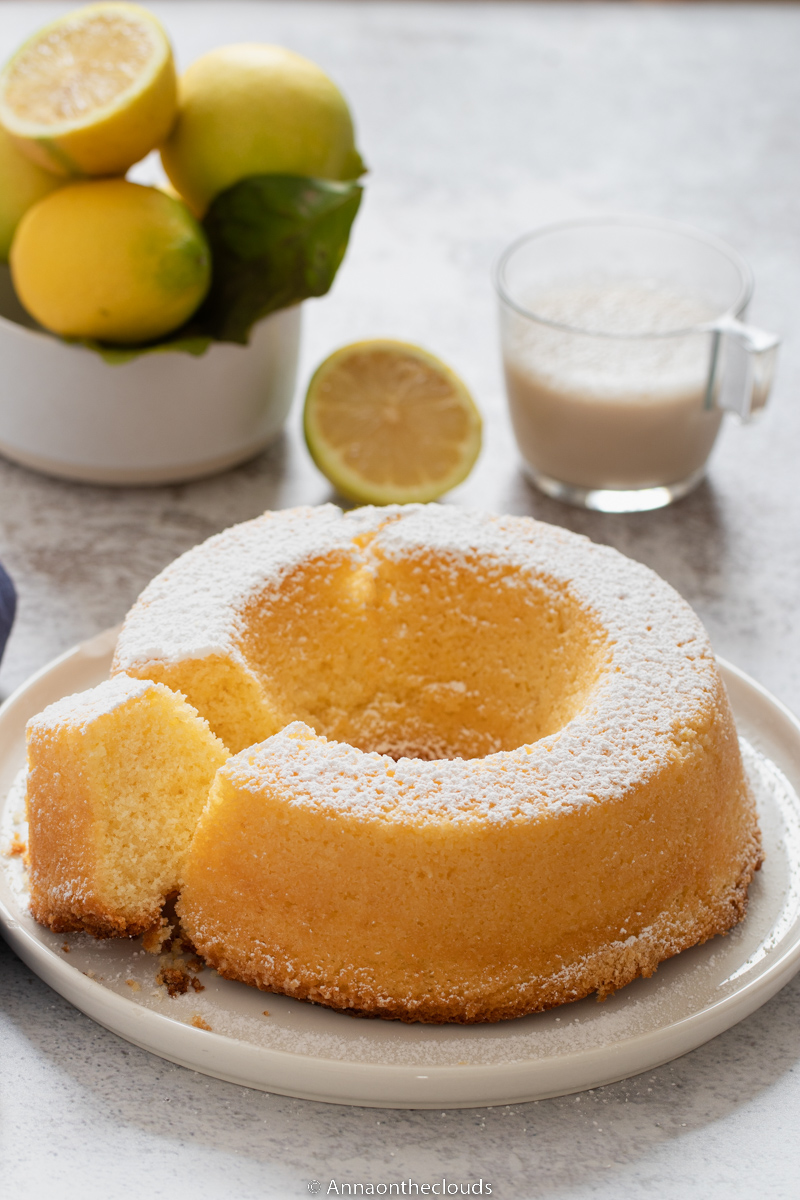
(117,778)
(496,766)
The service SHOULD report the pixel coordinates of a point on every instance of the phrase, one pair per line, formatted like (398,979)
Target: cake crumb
(153,940)
(134,985)
(182,944)
(65,948)
(266,1012)
(177,981)
(199,1023)
(16,847)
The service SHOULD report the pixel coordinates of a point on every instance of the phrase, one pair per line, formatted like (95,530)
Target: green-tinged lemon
(22,183)
(389,423)
(93,92)
(253,109)
(111,261)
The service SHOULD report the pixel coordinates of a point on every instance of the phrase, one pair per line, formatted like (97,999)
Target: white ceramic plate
(307,1051)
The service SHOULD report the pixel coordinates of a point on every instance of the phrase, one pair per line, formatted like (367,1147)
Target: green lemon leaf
(275,240)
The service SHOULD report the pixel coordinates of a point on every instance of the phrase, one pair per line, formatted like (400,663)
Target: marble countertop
(478,121)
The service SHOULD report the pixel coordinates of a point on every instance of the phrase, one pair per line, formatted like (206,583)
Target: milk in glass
(607,402)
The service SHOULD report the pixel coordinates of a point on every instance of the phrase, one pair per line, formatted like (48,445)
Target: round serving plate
(159,418)
(281,1045)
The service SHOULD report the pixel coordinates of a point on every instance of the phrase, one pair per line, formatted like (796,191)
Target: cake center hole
(425,658)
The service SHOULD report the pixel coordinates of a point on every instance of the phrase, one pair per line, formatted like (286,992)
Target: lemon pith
(256,109)
(110,260)
(92,92)
(387,422)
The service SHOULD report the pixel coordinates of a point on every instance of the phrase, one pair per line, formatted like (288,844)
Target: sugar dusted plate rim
(306,1051)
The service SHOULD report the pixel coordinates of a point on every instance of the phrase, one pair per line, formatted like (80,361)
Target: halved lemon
(93,92)
(388,423)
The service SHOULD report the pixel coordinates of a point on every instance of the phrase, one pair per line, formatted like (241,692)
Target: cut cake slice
(117,779)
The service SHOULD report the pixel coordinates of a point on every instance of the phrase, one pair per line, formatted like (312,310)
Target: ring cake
(496,766)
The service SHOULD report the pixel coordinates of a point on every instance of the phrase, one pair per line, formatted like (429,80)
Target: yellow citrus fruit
(93,92)
(22,183)
(389,423)
(110,260)
(256,110)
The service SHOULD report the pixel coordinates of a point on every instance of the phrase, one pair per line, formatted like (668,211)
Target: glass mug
(623,345)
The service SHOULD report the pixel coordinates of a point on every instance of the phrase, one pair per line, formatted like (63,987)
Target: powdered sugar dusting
(660,682)
(192,609)
(82,709)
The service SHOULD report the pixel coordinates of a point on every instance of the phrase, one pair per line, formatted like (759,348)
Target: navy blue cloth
(8,606)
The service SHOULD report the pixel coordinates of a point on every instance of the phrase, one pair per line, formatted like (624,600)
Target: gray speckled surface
(478,121)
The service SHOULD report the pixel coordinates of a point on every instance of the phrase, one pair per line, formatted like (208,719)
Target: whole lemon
(110,260)
(252,109)
(22,183)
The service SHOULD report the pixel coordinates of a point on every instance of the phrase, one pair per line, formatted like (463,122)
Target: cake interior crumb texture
(117,779)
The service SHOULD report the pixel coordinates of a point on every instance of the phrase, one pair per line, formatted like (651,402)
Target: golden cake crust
(603,972)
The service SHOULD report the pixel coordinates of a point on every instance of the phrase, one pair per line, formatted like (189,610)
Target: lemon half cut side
(389,423)
(93,92)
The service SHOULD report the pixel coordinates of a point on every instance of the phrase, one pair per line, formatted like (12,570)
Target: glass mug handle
(749,359)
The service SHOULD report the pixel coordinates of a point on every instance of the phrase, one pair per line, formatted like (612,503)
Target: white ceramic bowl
(160,418)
